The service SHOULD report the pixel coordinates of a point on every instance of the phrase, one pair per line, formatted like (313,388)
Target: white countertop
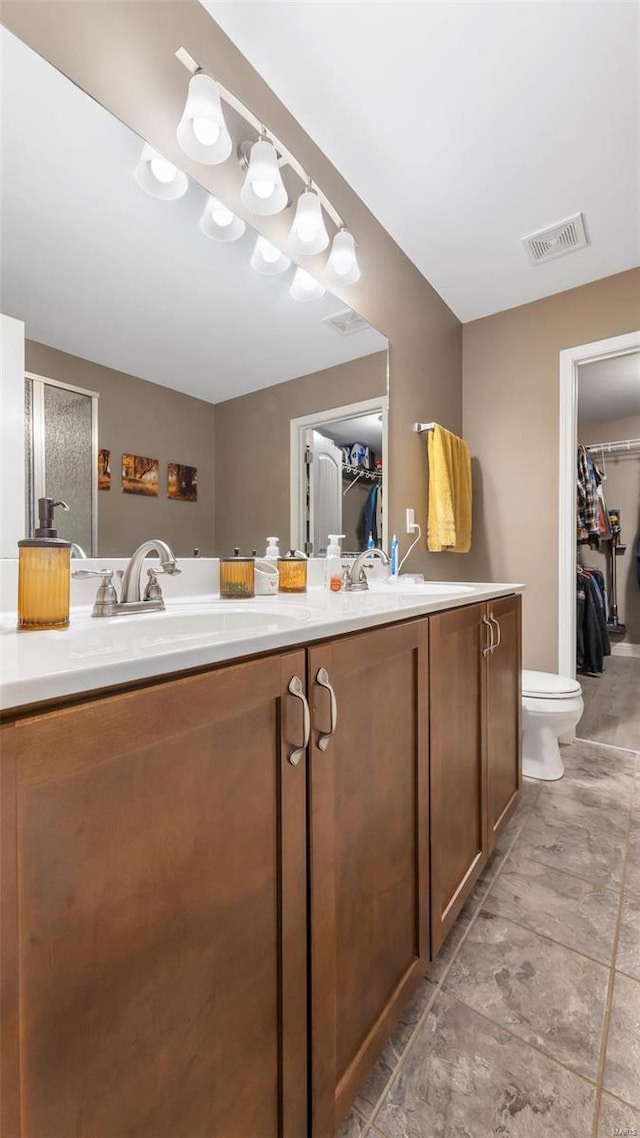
(200,630)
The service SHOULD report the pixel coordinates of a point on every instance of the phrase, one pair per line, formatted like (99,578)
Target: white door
(324,492)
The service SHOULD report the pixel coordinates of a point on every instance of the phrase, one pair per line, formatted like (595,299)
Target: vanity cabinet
(220,890)
(457,762)
(368,852)
(503,712)
(474,655)
(154,904)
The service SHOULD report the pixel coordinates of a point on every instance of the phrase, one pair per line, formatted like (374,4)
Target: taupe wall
(511,419)
(622,491)
(252,446)
(123,54)
(139,417)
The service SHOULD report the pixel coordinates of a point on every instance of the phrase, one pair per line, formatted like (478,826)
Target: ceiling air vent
(346,322)
(557,240)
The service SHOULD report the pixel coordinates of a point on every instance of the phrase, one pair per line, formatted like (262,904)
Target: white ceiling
(365,429)
(96,267)
(467,126)
(609,389)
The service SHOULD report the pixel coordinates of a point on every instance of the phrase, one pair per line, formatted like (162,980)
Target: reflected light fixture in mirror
(308,234)
(202,131)
(342,267)
(219,223)
(263,190)
(158,177)
(305,287)
(268,260)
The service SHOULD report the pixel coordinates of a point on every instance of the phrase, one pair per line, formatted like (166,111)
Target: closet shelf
(361,472)
(620,446)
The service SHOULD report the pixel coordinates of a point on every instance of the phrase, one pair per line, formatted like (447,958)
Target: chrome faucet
(107,603)
(131,582)
(77,550)
(355,578)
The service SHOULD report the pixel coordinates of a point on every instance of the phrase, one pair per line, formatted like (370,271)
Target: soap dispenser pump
(44,574)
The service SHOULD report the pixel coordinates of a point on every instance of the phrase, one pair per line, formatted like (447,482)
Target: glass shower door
(62,460)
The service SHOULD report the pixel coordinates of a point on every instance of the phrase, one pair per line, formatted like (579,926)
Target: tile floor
(611,704)
(528,1023)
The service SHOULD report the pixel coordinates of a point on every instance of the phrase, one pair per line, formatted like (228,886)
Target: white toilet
(551,706)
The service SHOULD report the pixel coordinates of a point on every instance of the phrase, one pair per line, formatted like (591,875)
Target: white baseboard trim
(607,746)
(626,650)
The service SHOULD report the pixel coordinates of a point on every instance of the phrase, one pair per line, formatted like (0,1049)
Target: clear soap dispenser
(333,578)
(44,574)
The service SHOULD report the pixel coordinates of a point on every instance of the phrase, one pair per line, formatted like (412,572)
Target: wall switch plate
(411,520)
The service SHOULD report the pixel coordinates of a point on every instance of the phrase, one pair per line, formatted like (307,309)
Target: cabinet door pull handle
(497,624)
(296,688)
(490,646)
(322,679)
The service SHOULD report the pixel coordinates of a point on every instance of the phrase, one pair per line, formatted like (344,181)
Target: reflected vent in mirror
(347,322)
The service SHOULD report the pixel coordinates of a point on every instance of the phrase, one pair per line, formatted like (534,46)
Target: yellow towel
(449,520)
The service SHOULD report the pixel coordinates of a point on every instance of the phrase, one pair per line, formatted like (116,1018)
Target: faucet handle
(153,592)
(106,596)
(106,574)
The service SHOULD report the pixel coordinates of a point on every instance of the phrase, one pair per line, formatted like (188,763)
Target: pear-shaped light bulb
(158,177)
(342,267)
(163,170)
(308,233)
(219,223)
(206,131)
(305,287)
(263,190)
(202,131)
(222,217)
(268,260)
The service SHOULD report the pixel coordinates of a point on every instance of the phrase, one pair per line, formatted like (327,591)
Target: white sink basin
(153,632)
(433,589)
(421,588)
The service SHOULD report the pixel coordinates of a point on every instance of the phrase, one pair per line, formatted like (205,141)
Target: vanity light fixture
(308,233)
(342,268)
(263,190)
(158,177)
(305,287)
(220,223)
(202,131)
(268,260)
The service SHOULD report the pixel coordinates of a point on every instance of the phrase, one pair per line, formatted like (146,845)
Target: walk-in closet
(608,545)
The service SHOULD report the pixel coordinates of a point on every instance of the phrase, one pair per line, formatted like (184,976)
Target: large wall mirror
(172,390)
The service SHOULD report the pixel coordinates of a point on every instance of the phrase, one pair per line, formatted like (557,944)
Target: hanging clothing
(591,625)
(449,518)
(587,496)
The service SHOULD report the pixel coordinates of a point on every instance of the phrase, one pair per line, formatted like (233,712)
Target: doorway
(339,477)
(599,587)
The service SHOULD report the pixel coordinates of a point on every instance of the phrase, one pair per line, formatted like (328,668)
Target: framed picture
(139,475)
(182,482)
(104,469)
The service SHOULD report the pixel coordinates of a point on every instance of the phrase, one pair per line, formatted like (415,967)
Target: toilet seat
(546,685)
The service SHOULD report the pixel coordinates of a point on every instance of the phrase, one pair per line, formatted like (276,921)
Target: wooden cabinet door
(503,716)
(369,934)
(154,889)
(457,762)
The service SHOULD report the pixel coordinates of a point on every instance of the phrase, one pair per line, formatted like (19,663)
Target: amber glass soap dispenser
(44,572)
